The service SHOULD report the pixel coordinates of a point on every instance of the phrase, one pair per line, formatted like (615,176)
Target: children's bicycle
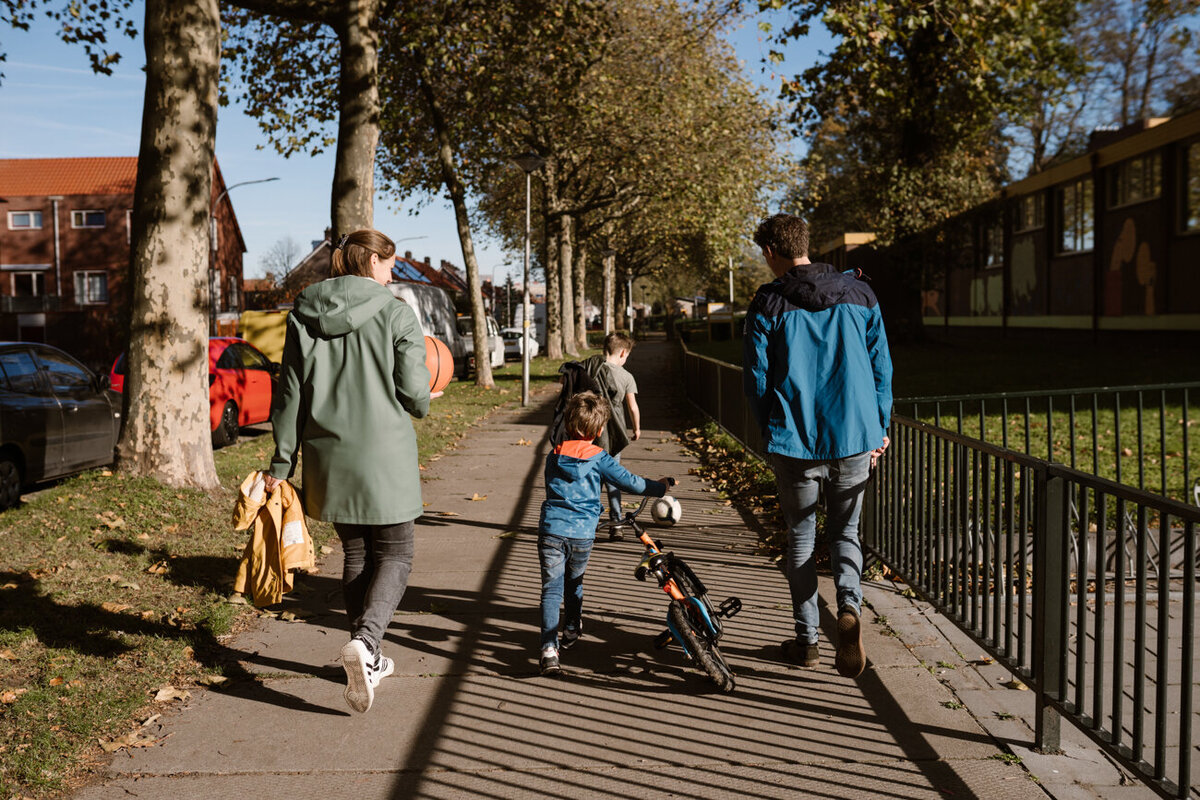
(692,621)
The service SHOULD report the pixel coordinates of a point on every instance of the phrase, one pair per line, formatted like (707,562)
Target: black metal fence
(1136,435)
(1081,585)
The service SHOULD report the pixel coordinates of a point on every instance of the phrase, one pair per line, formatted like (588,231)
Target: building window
(1031,212)
(28,284)
(87,219)
(24,220)
(1135,180)
(1191,187)
(91,287)
(233,293)
(1077,215)
(992,244)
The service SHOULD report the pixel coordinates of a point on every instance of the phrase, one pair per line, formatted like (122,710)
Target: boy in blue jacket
(575,472)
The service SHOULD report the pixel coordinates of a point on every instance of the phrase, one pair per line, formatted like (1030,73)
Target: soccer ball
(666,510)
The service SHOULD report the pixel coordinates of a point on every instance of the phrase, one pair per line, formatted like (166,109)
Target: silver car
(56,417)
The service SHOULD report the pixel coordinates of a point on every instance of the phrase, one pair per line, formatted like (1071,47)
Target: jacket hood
(577,458)
(816,286)
(337,306)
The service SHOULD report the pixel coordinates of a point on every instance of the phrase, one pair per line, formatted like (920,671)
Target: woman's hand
(270,482)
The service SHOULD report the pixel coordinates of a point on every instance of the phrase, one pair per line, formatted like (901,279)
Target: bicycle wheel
(704,652)
(690,585)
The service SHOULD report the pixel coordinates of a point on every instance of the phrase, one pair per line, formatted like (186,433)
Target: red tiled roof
(35,177)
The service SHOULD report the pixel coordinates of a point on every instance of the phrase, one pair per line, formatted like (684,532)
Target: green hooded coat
(353,373)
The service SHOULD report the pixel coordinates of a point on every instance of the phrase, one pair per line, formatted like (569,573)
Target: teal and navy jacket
(575,471)
(816,365)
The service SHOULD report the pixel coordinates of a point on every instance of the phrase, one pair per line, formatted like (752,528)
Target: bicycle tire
(703,652)
(686,580)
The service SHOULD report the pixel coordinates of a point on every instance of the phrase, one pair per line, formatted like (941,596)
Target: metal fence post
(1049,595)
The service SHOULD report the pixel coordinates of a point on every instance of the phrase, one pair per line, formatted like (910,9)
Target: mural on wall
(1024,269)
(1126,250)
(987,295)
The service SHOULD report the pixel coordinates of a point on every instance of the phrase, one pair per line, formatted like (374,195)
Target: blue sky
(54,106)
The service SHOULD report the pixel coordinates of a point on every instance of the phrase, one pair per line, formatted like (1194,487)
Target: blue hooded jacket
(575,471)
(816,365)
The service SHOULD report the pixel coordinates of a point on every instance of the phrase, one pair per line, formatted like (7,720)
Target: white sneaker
(357,661)
(386,667)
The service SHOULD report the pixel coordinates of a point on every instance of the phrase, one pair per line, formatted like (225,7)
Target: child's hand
(668,481)
(434,395)
(637,434)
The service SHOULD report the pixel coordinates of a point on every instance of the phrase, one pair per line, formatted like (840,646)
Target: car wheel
(227,429)
(10,482)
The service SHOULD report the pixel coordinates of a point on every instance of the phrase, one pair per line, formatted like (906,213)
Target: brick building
(65,236)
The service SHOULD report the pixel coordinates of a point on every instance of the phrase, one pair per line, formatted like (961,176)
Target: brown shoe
(805,655)
(851,659)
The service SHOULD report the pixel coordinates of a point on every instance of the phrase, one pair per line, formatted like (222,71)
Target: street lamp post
(629,299)
(213,288)
(610,272)
(530,163)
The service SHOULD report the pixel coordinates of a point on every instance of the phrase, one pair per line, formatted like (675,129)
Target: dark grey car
(56,417)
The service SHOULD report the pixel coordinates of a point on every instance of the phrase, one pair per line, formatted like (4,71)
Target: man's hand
(878,452)
(270,482)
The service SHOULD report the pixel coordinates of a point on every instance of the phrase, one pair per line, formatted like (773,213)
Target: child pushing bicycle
(575,472)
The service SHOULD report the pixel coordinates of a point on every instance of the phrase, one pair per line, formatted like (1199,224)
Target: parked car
(57,417)
(241,381)
(495,342)
(512,343)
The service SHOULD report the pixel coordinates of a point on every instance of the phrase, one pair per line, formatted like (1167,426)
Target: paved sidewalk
(466,714)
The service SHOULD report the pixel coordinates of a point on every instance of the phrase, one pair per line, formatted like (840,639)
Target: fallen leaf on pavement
(1015,684)
(523,442)
(212,680)
(477,496)
(326,549)
(168,693)
(448,513)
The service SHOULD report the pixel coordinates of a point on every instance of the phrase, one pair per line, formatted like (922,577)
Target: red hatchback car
(240,384)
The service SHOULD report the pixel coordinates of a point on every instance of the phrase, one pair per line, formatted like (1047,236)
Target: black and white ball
(666,510)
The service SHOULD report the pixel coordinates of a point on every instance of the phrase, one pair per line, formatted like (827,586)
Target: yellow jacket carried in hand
(279,541)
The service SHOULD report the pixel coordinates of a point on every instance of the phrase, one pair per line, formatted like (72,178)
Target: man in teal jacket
(817,371)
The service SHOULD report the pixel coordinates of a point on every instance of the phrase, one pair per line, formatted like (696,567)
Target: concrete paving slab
(901,780)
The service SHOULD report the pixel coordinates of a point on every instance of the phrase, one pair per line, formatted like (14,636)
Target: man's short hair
(785,234)
(585,416)
(617,341)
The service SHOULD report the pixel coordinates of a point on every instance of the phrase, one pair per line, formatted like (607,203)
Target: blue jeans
(799,482)
(563,562)
(614,497)
(378,560)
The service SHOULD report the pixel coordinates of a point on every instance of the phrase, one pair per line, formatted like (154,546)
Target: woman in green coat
(353,375)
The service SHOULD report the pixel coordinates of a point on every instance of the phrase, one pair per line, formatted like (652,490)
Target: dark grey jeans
(374,575)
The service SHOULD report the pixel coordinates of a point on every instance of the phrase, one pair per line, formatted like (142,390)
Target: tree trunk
(566,269)
(353,195)
(610,278)
(458,198)
(168,435)
(554,342)
(581,297)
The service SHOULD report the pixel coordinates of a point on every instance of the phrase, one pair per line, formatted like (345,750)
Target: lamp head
(530,162)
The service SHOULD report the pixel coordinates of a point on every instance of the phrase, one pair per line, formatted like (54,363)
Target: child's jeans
(563,562)
(614,497)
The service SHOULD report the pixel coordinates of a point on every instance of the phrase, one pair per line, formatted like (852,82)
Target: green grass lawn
(112,588)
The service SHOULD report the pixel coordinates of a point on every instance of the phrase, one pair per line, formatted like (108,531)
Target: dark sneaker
(616,533)
(357,661)
(851,659)
(805,655)
(549,664)
(569,637)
